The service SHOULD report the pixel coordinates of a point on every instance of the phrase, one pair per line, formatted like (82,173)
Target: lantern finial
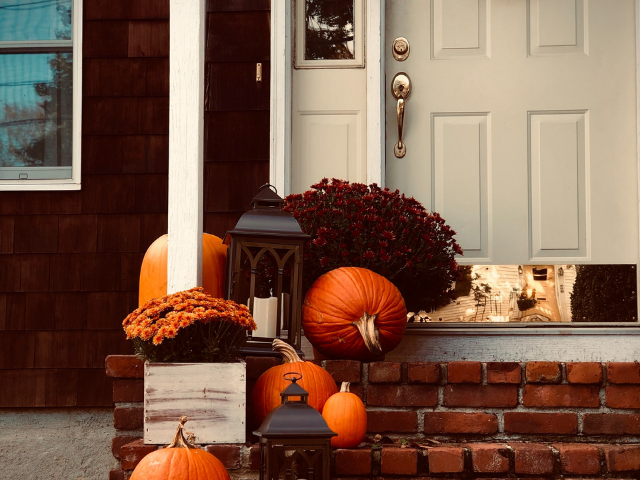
(294,393)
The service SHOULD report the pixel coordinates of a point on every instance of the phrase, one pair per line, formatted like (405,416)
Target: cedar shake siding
(236,126)
(69,261)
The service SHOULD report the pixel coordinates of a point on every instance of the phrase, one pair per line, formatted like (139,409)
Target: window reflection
(22,20)
(35,110)
(540,293)
(329,30)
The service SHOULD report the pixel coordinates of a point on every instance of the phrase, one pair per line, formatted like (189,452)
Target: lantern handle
(268,185)
(295,376)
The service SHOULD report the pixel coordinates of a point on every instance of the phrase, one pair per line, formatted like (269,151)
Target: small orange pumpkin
(181,460)
(354,313)
(153,273)
(315,380)
(345,414)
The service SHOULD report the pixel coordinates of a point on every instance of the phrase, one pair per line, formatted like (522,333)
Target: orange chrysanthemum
(163,318)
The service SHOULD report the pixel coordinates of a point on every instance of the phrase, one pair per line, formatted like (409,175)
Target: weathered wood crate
(212,395)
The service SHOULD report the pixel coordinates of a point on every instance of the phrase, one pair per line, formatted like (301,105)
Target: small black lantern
(264,271)
(295,441)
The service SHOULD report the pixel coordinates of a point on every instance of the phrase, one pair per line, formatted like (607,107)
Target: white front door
(520,129)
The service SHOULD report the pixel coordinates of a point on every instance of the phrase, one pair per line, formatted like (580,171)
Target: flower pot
(212,395)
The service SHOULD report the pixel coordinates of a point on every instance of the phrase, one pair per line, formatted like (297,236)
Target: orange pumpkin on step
(315,380)
(354,313)
(345,414)
(181,460)
(153,273)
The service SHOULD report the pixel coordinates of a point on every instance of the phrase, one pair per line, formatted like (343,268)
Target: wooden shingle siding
(237,135)
(118,9)
(236,109)
(6,234)
(149,38)
(70,261)
(34,273)
(232,86)
(238,5)
(119,77)
(105,39)
(223,27)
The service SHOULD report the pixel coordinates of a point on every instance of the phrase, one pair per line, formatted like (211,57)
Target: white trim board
(375,44)
(499,345)
(638,129)
(579,346)
(280,97)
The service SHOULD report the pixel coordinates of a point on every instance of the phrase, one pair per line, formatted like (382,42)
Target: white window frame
(358,60)
(486,342)
(73,183)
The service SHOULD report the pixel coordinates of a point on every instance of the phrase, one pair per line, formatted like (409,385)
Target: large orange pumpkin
(180,461)
(346,415)
(315,380)
(153,273)
(354,313)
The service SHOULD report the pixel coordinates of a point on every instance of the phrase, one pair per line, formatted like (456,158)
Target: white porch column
(186,127)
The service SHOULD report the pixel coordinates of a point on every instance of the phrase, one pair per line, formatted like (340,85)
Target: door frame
(486,342)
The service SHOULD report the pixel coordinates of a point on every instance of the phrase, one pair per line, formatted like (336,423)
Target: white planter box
(212,395)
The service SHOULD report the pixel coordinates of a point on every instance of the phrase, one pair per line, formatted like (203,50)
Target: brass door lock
(400,49)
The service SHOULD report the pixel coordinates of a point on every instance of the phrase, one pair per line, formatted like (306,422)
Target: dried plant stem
(366,324)
(179,439)
(287,351)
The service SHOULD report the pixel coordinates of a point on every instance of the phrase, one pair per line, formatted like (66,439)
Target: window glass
(35,110)
(35,20)
(540,293)
(329,31)
(36,84)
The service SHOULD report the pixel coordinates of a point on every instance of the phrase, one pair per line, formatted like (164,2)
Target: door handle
(401,89)
(400,149)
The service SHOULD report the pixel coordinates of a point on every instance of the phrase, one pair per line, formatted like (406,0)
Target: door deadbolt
(400,49)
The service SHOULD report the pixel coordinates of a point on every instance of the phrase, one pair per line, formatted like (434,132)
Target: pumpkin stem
(344,387)
(179,439)
(287,351)
(370,333)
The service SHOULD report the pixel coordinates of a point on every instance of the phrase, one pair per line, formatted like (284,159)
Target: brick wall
(468,419)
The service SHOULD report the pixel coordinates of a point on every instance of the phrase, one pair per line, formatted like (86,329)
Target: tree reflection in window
(605,293)
(329,30)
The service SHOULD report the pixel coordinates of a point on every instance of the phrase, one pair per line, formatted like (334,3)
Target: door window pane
(329,31)
(22,20)
(540,293)
(35,113)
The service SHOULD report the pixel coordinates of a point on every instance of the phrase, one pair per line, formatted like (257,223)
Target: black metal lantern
(264,271)
(295,441)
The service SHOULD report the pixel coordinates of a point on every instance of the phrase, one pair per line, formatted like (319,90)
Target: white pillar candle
(265,313)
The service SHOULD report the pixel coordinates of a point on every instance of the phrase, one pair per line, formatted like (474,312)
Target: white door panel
(327,126)
(521,125)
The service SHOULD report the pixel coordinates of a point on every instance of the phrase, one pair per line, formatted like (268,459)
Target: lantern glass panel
(294,462)
(267,283)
